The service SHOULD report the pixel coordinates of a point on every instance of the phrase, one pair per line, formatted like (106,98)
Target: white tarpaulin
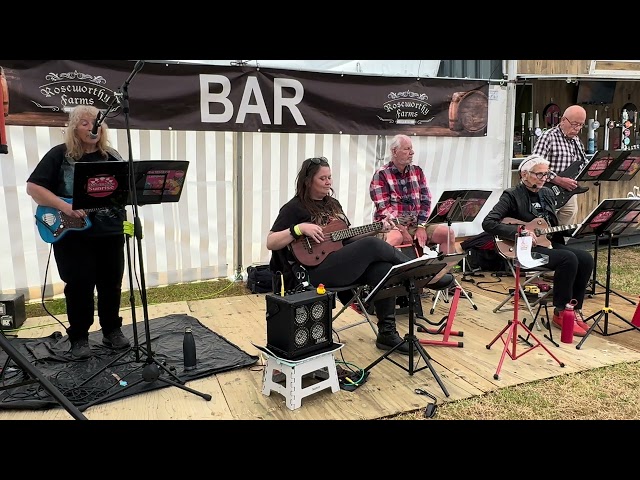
(395,68)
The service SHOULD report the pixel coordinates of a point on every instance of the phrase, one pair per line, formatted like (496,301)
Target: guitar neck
(559,228)
(339,235)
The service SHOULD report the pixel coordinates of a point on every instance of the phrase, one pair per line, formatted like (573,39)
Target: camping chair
(356,299)
(507,251)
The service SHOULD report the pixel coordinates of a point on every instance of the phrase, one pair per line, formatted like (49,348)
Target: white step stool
(294,370)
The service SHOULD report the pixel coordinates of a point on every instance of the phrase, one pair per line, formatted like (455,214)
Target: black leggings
(365,261)
(572,271)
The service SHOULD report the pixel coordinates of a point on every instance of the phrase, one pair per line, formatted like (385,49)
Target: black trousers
(88,264)
(365,262)
(572,270)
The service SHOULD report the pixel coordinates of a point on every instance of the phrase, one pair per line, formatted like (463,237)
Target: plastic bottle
(189,350)
(568,321)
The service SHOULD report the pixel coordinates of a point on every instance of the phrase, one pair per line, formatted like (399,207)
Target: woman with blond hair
(91,258)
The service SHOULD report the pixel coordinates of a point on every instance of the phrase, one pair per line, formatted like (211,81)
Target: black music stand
(406,279)
(103,184)
(608,166)
(35,377)
(612,216)
(458,206)
(132,183)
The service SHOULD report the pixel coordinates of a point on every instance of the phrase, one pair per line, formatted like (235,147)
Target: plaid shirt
(560,150)
(397,194)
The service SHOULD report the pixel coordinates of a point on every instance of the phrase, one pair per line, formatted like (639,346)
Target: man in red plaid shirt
(399,190)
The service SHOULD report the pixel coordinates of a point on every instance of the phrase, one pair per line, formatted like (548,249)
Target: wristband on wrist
(294,234)
(423,225)
(297,230)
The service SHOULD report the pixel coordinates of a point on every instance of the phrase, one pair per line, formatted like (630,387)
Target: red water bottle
(568,321)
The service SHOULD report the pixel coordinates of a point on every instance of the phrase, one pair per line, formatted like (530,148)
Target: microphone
(96,124)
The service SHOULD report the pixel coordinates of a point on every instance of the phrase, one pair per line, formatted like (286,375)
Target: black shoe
(388,340)
(80,349)
(116,339)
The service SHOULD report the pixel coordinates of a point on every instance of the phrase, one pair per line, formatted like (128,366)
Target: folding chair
(532,275)
(356,298)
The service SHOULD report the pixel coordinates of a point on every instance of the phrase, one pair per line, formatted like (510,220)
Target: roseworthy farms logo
(407,108)
(65,91)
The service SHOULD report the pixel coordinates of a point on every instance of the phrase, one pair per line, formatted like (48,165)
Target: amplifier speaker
(300,324)
(12,311)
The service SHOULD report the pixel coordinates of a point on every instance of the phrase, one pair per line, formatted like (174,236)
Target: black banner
(174,96)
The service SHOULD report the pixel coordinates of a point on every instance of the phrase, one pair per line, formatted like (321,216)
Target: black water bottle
(189,350)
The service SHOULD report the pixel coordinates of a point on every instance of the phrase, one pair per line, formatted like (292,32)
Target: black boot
(388,336)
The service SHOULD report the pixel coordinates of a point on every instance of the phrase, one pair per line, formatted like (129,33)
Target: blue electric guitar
(53,224)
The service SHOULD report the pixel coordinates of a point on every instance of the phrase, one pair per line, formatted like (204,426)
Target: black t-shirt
(537,207)
(293,213)
(55,173)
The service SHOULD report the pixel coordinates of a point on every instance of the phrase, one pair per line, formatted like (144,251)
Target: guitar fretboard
(339,235)
(559,228)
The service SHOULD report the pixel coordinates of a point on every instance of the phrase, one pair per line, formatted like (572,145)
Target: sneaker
(580,321)
(388,340)
(116,339)
(578,331)
(80,349)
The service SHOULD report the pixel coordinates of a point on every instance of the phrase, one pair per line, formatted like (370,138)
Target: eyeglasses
(317,161)
(540,175)
(574,124)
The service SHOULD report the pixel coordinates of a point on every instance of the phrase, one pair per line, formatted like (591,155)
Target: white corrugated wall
(235,185)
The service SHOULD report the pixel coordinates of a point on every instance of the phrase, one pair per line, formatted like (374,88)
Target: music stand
(35,377)
(605,166)
(111,182)
(458,206)
(510,344)
(611,216)
(101,184)
(406,279)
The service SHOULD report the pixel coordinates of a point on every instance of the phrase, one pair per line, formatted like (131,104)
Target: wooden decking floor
(467,371)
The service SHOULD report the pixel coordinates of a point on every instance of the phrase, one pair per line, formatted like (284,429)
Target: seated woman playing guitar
(524,204)
(306,233)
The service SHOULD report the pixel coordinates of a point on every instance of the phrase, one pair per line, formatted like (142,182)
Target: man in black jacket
(528,201)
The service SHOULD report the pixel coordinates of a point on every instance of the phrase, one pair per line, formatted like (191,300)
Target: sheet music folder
(421,270)
(614,215)
(611,165)
(100,184)
(458,206)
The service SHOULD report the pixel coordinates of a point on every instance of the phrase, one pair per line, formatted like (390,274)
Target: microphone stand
(153,368)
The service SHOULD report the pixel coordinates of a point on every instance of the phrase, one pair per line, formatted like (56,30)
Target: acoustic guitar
(538,226)
(310,253)
(53,223)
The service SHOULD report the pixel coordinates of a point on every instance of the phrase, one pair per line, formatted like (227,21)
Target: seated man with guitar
(88,247)
(312,230)
(531,204)
(400,189)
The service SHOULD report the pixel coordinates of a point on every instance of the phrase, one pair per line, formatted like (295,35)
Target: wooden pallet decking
(465,372)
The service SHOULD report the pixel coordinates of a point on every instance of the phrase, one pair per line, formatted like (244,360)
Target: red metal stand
(446,329)
(510,344)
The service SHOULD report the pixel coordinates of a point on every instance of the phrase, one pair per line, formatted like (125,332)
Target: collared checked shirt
(398,194)
(560,150)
